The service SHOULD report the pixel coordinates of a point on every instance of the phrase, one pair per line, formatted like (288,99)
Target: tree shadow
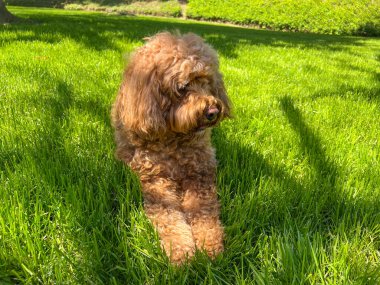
(316,203)
(9,159)
(326,172)
(371,94)
(92,185)
(268,199)
(319,201)
(345,88)
(55,131)
(93,31)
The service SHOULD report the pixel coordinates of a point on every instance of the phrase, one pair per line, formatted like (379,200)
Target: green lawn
(298,176)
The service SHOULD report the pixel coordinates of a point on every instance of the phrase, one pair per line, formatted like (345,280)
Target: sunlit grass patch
(298,164)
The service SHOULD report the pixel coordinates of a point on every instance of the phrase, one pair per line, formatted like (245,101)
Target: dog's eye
(182,89)
(182,92)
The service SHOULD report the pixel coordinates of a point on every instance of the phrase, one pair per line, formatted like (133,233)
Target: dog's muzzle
(212,113)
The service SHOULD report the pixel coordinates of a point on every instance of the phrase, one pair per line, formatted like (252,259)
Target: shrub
(157,8)
(35,3)
(317,16)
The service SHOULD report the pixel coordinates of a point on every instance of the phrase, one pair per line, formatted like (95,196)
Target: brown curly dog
(172,93)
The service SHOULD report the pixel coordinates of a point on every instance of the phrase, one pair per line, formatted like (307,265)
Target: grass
(298,172)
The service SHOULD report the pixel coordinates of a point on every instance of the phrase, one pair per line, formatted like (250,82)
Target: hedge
(342,17)
(35,3)
(170,8)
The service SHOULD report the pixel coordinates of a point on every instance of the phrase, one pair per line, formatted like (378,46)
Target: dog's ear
(139,104)
(221,93)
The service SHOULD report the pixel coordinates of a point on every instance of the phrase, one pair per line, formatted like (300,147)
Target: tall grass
(298,172)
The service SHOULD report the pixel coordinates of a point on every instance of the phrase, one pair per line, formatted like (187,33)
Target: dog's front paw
(208,235)
(179,250)
(175,233)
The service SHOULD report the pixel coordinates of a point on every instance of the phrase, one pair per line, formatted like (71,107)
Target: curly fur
(172,93)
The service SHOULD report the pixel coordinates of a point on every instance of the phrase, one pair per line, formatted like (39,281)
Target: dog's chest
(177,164)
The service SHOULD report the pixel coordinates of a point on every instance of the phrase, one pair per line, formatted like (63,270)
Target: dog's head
(172,84)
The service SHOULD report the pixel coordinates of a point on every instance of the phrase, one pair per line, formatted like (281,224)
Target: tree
(5,15)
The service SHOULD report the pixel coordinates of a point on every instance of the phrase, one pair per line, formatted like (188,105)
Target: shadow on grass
(56,131)
(354,92)
(82,180)
(93,30)
(102,32)
(351,90)
(313,209)
(315,204)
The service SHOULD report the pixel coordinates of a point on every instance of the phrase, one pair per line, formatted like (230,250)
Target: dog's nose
(212,113)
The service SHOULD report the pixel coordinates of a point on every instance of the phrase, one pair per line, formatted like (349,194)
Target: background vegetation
(298,173)
(317,16)
(169,8)
(345,17)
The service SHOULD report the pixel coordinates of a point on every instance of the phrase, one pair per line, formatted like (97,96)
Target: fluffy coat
(172,94)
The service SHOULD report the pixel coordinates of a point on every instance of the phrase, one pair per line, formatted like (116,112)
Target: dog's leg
(163,208)
(202,213)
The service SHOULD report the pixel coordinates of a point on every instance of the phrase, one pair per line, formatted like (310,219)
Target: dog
(171,95)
